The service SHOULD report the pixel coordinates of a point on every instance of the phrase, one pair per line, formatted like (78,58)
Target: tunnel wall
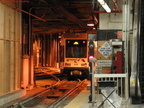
(10,48)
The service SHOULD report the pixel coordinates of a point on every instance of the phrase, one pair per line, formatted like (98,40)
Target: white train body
(74,54)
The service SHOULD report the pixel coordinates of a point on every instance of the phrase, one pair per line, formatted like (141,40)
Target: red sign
(119,34)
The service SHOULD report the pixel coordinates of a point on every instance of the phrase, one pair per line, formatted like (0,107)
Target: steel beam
(55,5)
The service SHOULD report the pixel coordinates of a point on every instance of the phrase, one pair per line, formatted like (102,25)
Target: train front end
(76,58)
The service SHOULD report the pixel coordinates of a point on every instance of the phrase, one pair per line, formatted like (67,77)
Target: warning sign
(105,50)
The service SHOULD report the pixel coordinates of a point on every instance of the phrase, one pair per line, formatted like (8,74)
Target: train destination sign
(105,50)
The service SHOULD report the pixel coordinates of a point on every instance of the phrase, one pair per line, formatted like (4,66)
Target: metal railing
(121,82)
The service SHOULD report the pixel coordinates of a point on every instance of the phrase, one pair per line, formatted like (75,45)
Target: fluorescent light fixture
(101,2)
(104,5)
(90,24)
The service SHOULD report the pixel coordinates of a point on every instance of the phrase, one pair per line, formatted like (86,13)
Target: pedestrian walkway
(82,101)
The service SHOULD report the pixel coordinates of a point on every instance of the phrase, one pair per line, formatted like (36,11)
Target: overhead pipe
(10,40)
(24,12)
(116,5)
(30,32)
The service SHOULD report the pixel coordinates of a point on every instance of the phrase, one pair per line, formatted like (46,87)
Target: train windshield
(76,48)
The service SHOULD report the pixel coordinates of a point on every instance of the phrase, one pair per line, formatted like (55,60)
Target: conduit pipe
(116,5)
(30,48)
(126,38)
(24,12)
(10,40)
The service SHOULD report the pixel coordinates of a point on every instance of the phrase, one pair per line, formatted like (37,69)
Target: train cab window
(76,48)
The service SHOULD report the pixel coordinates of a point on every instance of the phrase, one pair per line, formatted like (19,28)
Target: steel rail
(38,96)
(56,103)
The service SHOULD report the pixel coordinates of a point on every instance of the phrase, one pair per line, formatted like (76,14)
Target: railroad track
(58,92)
(36,98)
(56,103)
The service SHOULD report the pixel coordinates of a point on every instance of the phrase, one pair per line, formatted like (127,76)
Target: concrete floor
(136,106)
(81,101)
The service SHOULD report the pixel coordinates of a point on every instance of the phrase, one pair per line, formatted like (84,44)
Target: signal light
(90,57)
(84,42)
(91,48)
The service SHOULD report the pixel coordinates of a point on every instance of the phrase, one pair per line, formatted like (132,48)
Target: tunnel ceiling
(60,15)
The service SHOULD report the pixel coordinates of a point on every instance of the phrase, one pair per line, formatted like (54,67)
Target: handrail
(109,75)
(121,76)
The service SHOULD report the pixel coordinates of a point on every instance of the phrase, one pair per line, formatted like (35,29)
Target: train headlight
(91,48)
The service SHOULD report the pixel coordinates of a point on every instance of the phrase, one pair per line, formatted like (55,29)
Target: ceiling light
(104,5)
(90,24)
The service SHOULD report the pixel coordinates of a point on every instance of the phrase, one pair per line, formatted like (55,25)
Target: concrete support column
(38,52)
(44,50)
(31,72)
(25,71)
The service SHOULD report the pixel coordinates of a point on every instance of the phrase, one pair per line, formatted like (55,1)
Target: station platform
(82,101)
